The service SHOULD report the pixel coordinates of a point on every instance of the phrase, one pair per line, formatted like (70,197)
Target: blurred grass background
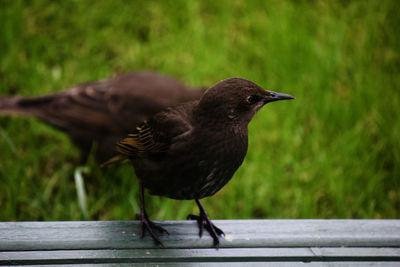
(334,152)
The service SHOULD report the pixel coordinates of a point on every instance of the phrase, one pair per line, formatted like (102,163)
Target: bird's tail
(10,106)
(27,106)
(115,159)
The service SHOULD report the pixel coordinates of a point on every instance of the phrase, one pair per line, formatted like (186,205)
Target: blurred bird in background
(104,111)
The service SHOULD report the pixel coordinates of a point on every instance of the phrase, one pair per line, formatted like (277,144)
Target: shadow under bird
(191,151)
(103,111)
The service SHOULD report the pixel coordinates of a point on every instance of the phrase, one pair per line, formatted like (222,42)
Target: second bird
(103,111)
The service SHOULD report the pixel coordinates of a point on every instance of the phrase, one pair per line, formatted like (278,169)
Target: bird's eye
(252,99)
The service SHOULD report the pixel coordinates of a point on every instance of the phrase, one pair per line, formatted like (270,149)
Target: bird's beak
(271,96)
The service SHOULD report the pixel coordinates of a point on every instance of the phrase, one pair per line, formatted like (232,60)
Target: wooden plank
(241,264)
(201,255)
(16,236)
(247,242)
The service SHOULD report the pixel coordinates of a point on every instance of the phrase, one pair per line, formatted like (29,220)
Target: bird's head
(236,100)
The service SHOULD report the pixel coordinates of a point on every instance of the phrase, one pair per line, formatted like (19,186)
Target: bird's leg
(145,223)
(204,222)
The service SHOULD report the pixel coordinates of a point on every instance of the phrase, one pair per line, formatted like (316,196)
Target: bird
(104,111)
(190,151)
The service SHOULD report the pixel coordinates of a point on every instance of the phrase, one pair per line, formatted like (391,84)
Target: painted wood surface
(250,242)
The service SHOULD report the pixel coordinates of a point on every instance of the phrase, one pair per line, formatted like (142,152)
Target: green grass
(334,152)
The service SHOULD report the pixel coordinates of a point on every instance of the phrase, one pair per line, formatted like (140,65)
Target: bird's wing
(141,143)
(154,137)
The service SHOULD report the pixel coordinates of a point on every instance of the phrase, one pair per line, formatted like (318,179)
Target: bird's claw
(146,224)
(204,221)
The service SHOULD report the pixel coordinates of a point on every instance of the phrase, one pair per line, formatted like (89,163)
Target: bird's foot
(146,224)
(204,222)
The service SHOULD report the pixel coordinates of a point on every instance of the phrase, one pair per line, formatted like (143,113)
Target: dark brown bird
(192,150)
(103,111)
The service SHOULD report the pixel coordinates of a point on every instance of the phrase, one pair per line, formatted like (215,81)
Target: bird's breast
(212,166)
(197,168)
